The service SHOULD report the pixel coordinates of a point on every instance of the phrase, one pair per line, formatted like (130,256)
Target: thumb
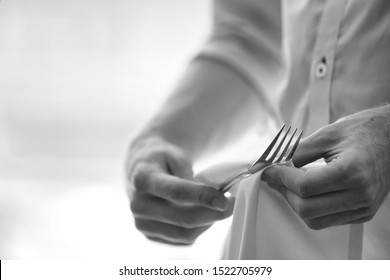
(314,146)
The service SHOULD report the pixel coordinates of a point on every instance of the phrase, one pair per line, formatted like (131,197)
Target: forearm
(211,107)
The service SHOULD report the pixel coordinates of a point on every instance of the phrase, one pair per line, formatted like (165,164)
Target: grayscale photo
(195,130)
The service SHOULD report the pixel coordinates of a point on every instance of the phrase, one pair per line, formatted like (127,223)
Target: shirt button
(321,69)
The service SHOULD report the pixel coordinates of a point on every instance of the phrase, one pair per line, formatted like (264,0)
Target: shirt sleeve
(247,37)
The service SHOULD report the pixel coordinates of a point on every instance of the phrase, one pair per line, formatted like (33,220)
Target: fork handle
(229,183)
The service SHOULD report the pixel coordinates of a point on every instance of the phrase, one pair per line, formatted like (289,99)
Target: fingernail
(220,203)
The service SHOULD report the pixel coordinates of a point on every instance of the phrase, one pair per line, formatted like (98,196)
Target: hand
(356,179)
(168,205)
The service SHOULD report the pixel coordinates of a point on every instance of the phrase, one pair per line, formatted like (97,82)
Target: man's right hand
(167,204)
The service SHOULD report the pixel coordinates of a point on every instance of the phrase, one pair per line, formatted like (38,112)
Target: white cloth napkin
(265,226)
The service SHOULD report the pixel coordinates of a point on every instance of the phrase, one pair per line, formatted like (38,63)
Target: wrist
(139,148)
(146,139)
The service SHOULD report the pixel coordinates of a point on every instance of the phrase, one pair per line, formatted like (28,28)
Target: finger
(315,146)
(159,240)
(323,205)
(312,180)
(327,220)
(178,190)
(169,233)
(156,209)
(179,166)
(341,218)
(365,219)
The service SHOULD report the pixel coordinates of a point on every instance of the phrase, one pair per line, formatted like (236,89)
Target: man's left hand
(356,179)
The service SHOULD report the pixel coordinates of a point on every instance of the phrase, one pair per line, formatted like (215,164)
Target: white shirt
(311,62)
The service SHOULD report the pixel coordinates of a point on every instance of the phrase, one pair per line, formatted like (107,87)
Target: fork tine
(279,146)
(292,151)
(286,147)
(270,147)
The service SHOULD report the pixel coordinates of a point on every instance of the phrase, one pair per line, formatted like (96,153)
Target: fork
(271,156)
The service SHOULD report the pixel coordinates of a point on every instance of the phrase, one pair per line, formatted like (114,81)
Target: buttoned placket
(321,87)
(323,63)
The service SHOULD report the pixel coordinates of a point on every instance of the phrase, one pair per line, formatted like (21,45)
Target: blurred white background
(77,78)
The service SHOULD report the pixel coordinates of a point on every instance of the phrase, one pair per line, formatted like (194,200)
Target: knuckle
(225,214)
(303,210)
(368,218)
(314,224)
(202,196)
(136,207)
(193,234)
(140,179)
(306,186)
(188,221)
(184,236)
(367,197)
(358,170)
(188,241)
(139,224)
(326,136)
(154,239)
(359,178)
(176,194)
(304,189)
(342,172)
(191,237)
(369,210)
(353,167)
